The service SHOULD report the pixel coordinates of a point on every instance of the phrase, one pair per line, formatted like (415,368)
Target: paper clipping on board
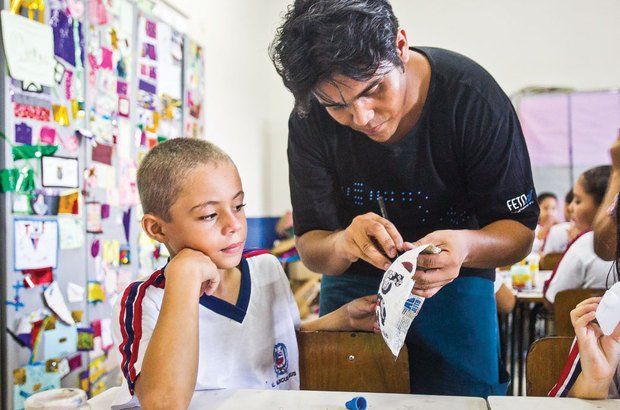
(396,306)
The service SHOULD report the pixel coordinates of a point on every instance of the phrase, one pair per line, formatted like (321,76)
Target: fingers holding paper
(436,270)
(372,239)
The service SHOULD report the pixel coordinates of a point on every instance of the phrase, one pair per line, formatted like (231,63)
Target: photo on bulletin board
(36,243)
(59,172)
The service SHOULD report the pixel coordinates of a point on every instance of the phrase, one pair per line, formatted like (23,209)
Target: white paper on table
(56,302)
(397,307)
(75,293)
(29,49)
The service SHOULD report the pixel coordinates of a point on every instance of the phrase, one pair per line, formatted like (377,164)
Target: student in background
(563,233)
(579,266)
(214,317)
(593,367)
(548,204)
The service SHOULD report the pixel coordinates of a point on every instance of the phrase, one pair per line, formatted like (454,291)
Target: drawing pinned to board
(93,217)
(30,53)
(59,172)
(36,243)
(71,232)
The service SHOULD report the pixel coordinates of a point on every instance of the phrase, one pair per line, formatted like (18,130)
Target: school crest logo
(280,359)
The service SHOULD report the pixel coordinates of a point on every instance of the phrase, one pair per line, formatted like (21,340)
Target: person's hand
(361,314)
(614,151)
(600,354)
(435,271)
(188,264)
(370,238)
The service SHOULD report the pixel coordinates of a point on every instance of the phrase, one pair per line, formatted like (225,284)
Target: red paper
(102,153)
(35,277)
(96,325)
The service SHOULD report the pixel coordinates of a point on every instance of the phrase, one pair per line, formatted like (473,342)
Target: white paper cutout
(75,293)
(397,307)
(56,302)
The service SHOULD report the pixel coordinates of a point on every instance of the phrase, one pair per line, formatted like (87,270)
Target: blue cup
(356,403)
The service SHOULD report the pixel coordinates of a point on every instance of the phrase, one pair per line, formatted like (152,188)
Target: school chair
(544,363)
(351,361)
(565,301)
(549,261)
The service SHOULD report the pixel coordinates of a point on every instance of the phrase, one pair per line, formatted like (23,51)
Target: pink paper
(47,135)
(106,59)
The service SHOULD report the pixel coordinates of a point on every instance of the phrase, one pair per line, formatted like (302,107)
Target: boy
(213,317)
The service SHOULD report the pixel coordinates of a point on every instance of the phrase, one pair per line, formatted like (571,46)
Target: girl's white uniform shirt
(557,239)
(579,268)
(250,345)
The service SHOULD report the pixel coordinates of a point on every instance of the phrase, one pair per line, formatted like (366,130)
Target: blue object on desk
(356,403)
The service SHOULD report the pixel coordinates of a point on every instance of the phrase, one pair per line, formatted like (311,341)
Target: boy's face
(208,215)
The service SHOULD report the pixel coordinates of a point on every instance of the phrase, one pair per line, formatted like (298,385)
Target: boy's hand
(361,314)
(190,264)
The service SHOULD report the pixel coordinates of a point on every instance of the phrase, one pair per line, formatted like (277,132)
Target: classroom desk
(527,306)
(304,399)
(548,403)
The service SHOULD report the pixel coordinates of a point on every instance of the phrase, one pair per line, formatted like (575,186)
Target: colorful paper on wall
(93,217)
(36,243)
(30,51)
(95,292)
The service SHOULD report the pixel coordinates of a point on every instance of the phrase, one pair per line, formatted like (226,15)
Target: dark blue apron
(453,343)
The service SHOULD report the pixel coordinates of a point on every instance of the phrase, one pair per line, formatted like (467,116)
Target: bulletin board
(107,87)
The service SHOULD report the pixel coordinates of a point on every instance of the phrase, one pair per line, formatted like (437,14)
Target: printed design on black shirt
(520,202)
(360,195)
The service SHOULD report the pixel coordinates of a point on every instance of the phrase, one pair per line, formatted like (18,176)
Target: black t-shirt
(462,166)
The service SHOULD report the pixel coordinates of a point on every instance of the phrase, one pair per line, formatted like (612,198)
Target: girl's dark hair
(546,195)
(595,182)
(320,39)
(568,198)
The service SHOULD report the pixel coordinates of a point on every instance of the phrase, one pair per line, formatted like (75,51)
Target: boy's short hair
(164,168)
(323,38)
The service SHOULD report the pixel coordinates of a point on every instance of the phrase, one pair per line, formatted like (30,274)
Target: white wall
(522,43)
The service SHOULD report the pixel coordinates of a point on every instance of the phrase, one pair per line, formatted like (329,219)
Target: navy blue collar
(235,312)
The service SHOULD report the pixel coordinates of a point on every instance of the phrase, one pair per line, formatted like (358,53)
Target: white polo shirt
(579,268)
(250,345)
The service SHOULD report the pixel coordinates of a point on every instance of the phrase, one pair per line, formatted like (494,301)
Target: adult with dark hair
(432,133)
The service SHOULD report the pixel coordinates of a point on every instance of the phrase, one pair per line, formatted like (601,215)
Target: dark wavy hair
(320,39)
(595,182)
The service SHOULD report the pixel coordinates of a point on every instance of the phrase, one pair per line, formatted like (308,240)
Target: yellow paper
(111,252)
(61,116)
